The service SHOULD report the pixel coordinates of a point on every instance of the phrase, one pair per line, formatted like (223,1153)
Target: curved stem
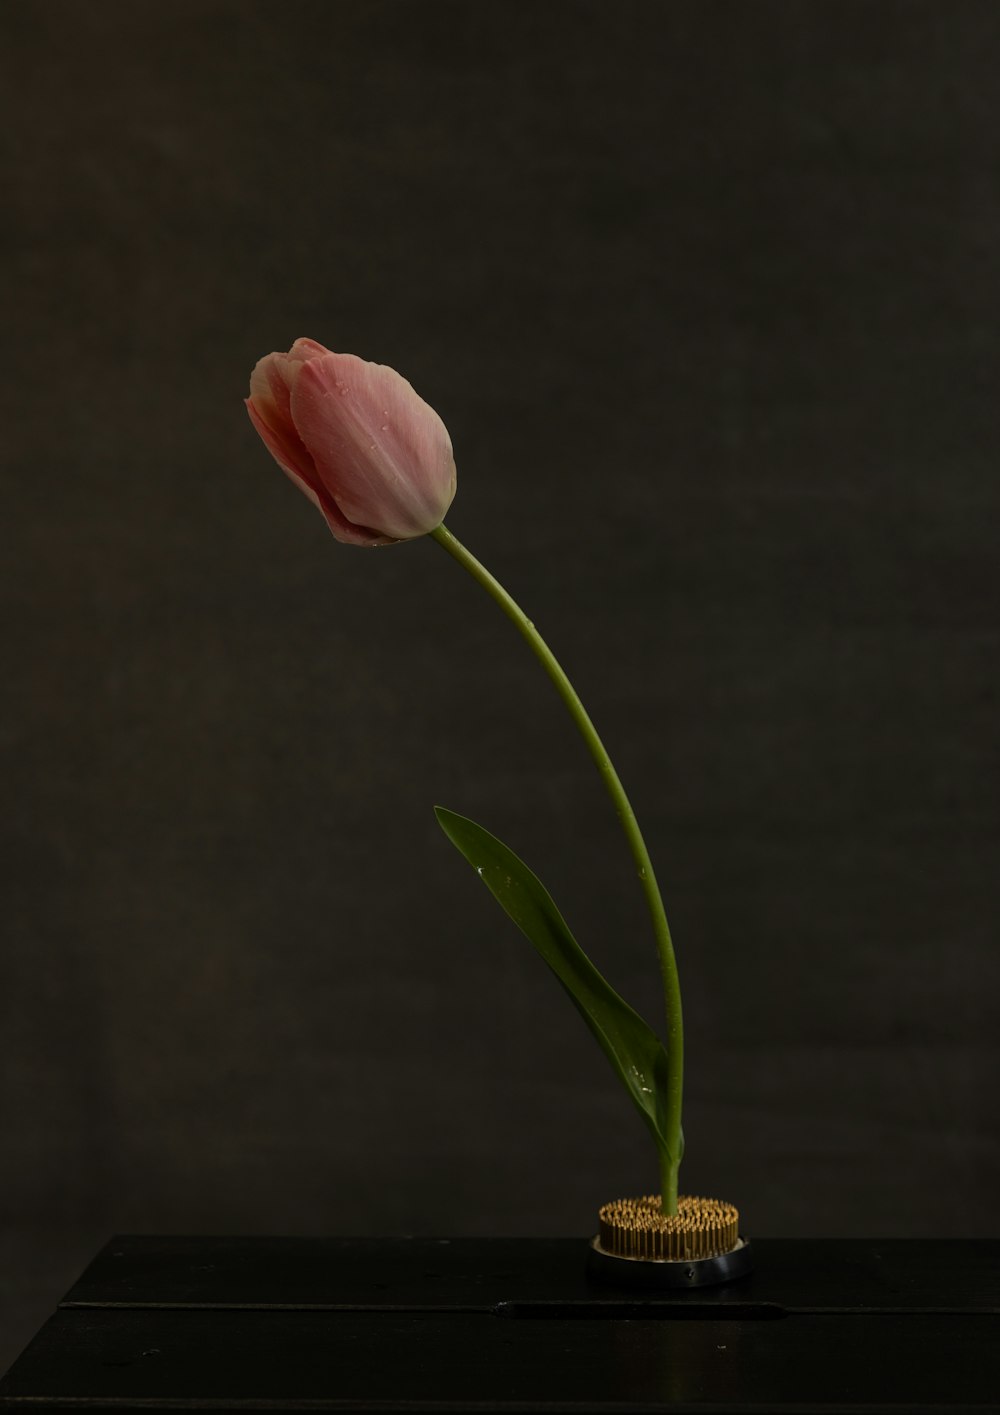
(670,1159)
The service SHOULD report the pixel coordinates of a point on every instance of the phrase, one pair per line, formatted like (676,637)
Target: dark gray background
(708,296)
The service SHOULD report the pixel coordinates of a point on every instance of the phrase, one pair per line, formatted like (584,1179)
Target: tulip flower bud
(355,437)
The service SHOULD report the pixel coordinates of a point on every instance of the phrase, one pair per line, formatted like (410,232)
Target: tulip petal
(380,451)
(305,349)
(300,470)
(285,446)
(272,380)
(269,390)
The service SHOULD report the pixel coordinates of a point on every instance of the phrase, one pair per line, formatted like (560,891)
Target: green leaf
(633,1048)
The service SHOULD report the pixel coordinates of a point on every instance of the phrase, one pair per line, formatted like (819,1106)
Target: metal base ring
(653,1273)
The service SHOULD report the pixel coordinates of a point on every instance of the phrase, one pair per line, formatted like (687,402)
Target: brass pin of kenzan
(636,1228)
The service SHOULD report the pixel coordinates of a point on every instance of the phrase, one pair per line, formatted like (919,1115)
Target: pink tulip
(356,438)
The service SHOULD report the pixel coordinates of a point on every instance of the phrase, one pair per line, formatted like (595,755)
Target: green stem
(670,1157)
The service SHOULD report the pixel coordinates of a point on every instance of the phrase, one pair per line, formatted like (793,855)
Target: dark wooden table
(514,1325)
